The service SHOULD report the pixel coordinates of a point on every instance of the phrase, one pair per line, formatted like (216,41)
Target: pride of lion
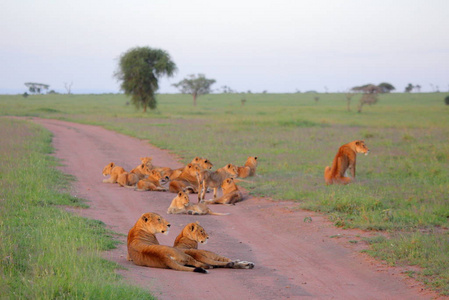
(197,177)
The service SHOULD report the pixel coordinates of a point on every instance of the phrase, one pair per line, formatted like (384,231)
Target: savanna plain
(401,189)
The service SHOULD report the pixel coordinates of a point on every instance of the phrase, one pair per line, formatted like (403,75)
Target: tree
(386,87)
(195,85)
(68,87)
(409,88)
(139,70)
(36,88)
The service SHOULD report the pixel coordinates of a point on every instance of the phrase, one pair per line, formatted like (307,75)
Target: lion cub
(231,194)
(181,205)
(188,240)
(344,159)
(113,170)
(214,180)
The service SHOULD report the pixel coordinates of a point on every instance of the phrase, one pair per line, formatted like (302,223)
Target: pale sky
(279,46)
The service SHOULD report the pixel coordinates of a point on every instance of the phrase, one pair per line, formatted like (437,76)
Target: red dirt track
(293,259)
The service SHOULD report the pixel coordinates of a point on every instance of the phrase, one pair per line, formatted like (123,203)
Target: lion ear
(144,218)
(180,194)
(197,222)
(111,164)
(255,157)
(357,143)
(142,165)
(192,227)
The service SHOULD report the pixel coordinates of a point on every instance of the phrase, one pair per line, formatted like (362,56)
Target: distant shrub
(446,100)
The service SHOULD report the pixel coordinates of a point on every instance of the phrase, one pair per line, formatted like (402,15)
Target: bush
(446,100)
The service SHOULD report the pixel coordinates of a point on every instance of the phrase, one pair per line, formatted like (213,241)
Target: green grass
(401,185)
(46,252)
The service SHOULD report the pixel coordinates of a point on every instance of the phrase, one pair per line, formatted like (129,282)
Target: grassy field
(401,188)
(46,252)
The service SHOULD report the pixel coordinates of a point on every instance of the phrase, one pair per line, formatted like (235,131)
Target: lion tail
(219,214)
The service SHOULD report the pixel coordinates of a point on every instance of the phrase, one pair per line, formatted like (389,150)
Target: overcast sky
(277,46)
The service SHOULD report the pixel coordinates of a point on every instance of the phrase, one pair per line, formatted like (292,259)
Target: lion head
(195,232)
(231,169)
(360,147)
(107,170)
(147,161)
(204,163)
(153,223)
(251,162)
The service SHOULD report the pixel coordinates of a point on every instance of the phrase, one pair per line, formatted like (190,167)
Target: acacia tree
(36,88)
(139,70)
(195,85)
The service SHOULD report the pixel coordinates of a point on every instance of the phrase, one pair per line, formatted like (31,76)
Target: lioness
(152,182)
(186,180)
(144,248)
(130,179)
(113,170)
(181,205)
(231,193)
(214,180)
(188,240)
(344,159)
(203,163)
(249,169)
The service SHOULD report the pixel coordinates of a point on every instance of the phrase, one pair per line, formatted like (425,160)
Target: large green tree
(139,71)
(195,85)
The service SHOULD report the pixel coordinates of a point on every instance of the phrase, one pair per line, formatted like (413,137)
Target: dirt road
(294,259)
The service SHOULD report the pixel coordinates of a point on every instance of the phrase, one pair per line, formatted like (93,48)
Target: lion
(203,163)
(152,182)
(113,170)
(249,169)
(181,205)
(132,178)
(144,248)
(231,193)
(214,180)
(188,240)
(344,159)
(186,180)
(147,161)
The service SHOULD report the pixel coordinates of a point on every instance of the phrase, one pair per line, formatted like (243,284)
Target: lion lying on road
(181,205)
(152,182)
(344,159)
(249,169)
(113,170)
(144,248)
(130,179)
(188,240)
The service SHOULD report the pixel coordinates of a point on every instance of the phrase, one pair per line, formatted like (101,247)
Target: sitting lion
(249,169)
(214,180)
(188,240)
(113,170)
(144,248)
(344,159)
(231,193)
(181,205)
(152,182)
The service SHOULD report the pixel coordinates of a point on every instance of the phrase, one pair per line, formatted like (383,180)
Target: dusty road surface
(294,259)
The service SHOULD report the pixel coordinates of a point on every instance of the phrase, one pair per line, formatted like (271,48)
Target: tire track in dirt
(294,259)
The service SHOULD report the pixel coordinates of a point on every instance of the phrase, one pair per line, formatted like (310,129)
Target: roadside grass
(46,252)
(401,185)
